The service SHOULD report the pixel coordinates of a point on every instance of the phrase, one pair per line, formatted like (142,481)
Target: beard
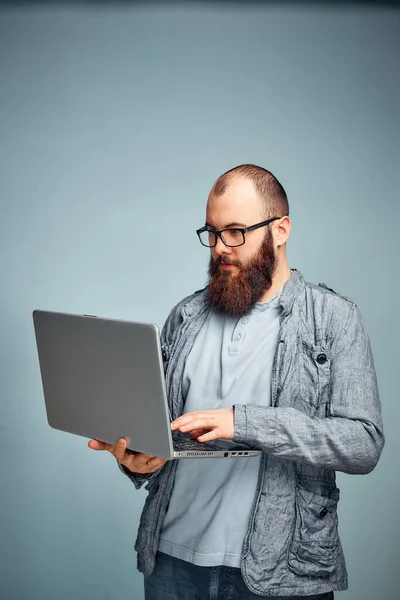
(235,295)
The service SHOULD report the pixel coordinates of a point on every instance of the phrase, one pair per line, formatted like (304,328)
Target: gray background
(115,121)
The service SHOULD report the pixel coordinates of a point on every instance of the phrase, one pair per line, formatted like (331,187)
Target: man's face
(239,276)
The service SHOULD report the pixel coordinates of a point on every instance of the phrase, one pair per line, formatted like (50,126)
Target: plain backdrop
(115,120)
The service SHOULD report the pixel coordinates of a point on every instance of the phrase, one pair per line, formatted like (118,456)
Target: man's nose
(220,248)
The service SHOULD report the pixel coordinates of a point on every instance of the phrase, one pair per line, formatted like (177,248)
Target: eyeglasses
(230,237)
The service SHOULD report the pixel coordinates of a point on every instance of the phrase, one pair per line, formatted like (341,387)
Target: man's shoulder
(185,307)
(191,301)
(309,296)
(326,307)
(324,291)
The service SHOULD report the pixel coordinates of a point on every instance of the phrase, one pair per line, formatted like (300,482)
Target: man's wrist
(128,472)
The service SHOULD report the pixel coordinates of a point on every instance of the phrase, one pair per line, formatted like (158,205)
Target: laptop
(104,379)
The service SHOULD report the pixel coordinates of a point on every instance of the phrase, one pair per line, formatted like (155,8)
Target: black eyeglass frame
(243,230)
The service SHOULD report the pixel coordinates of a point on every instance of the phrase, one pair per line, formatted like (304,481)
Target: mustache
(224,260)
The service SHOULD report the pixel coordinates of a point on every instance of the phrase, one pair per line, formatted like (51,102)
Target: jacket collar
(291,289)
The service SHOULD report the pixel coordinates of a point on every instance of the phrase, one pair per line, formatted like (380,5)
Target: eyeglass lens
(232,237)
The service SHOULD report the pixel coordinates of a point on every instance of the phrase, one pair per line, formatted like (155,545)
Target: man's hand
(207,425)
(136,463)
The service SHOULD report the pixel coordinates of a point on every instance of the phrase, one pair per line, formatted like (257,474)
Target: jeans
(175,579)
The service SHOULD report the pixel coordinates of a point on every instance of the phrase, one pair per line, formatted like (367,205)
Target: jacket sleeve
(139,480)
(350,438)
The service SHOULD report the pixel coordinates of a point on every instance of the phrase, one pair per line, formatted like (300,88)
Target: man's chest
(231,360)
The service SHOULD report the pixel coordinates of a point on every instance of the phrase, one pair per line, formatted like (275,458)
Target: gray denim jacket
(325,417)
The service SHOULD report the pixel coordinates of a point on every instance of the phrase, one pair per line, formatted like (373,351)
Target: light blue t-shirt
(230,363)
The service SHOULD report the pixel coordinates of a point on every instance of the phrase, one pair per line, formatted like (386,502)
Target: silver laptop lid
(104,379)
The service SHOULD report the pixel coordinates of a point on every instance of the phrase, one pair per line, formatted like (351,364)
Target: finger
(197,432)
(209,436)
(155,463)
(137,462)
(184,420)
(147,464)
(204,423)
(178,423)
(120,450)
(98,445)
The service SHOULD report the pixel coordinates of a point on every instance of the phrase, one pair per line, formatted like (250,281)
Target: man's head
(240,198)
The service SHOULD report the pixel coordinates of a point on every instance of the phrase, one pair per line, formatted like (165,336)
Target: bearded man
(263,358)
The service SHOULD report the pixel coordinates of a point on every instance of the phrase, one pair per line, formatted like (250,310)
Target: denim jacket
(325,417)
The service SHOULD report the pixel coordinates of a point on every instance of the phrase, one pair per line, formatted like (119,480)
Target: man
(263,358)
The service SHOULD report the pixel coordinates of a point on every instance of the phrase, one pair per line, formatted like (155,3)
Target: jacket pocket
(315,541)
(314,374)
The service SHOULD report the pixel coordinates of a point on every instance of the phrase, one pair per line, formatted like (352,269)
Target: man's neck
(279,278)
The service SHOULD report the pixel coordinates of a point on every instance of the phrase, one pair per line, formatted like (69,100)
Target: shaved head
(266,184)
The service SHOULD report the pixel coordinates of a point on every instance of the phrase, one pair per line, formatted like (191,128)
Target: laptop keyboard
(191,444)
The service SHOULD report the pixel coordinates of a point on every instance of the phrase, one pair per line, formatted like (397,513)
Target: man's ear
(282,231)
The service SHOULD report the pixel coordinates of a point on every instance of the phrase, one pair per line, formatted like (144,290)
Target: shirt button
(321,359)
(238,336)
(244,320)
(323,513)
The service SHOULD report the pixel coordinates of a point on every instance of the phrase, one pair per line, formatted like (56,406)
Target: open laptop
(104,379)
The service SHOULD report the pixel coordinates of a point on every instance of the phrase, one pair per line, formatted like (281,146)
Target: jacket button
(323,513)
(321,359)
